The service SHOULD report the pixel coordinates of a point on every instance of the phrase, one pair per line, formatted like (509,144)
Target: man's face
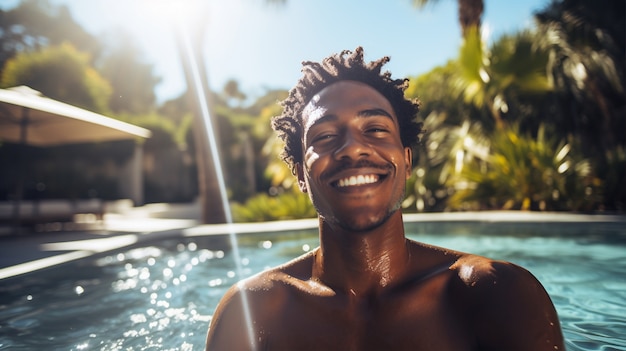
(355,166)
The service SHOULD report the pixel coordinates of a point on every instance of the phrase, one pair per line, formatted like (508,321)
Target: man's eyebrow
(325,118)
(374,112)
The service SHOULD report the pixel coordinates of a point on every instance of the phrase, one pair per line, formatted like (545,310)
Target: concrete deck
(53,244)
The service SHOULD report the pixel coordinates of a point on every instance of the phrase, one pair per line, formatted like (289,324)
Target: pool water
(162,297)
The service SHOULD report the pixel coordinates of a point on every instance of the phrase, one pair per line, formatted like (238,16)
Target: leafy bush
(291,204)
(527,173)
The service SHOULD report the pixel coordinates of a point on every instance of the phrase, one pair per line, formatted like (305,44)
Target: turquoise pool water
(162,297)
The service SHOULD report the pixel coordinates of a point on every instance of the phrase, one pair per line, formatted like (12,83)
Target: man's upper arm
(228,329)
(514,312)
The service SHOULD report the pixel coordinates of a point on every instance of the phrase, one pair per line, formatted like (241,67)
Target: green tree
(246,137)
(62,73)
(231,92)
(513,67)
(132,80)
(508,167)
(465,100)
(198,93)
(437,91)
(35,24)
(587,43)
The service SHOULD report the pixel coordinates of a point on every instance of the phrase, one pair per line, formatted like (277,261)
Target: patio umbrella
(29,118)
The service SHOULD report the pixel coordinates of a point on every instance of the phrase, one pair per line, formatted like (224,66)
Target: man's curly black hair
(346,65)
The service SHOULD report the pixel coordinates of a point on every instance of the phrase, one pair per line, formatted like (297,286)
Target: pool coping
(89,244)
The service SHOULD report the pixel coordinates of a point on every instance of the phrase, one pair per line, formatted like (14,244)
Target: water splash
(206,117)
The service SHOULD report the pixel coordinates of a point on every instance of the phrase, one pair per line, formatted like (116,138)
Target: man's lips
(361,173)
(356,180)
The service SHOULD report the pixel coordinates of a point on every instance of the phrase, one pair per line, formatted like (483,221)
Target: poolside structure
(29,118)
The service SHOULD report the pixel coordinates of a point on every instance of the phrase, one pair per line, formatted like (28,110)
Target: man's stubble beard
(353,227)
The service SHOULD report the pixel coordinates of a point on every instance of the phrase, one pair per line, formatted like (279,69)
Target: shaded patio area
(29,118)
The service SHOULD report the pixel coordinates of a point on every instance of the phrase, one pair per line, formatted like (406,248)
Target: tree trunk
(470,14)
(209,191)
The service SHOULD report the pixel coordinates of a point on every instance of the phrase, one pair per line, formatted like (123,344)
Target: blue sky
(262,46)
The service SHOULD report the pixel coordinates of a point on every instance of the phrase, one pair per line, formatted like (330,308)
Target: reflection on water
(163,297)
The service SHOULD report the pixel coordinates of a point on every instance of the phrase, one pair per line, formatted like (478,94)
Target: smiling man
(348,132)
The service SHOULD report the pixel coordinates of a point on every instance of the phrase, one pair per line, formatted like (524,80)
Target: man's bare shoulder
(270,282)
(506,303)
(482,273)
(492,279)
(262,297)
(473,271)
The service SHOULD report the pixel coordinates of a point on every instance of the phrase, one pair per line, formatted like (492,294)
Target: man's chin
(359,225)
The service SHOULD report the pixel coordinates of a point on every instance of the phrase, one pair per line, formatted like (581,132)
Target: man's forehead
(340,94)
(341,85)
(313,111)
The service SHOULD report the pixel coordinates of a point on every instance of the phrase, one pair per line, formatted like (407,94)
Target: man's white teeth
(358,180)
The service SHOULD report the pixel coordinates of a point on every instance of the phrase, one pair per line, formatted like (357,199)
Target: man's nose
(352,147)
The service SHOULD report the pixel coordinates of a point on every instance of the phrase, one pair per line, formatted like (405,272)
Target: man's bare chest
(412,322)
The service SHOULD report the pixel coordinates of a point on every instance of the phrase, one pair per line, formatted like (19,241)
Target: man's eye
(377,130)
(323,137)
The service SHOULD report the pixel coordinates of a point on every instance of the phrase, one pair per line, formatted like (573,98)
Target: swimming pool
(161,297)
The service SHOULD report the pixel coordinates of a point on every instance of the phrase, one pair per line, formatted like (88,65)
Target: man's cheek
(310,156)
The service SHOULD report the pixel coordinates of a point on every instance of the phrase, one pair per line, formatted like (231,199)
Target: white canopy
(26,116)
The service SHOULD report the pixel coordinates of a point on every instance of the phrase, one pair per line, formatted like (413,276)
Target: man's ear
(300,175)
(408,161)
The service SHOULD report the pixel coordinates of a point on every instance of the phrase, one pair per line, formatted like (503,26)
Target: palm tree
(489,83)
(470,13)
(195,71)
(587,41)
(209,183)
(513,66)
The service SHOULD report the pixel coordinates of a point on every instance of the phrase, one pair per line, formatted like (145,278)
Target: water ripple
(163,298)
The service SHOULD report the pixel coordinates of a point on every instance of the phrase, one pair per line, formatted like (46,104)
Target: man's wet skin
(367,287)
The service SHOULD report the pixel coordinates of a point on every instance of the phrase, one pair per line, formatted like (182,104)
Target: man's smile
(361,174)
(357,180)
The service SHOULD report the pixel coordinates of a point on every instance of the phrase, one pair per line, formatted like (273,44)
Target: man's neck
(361,264)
